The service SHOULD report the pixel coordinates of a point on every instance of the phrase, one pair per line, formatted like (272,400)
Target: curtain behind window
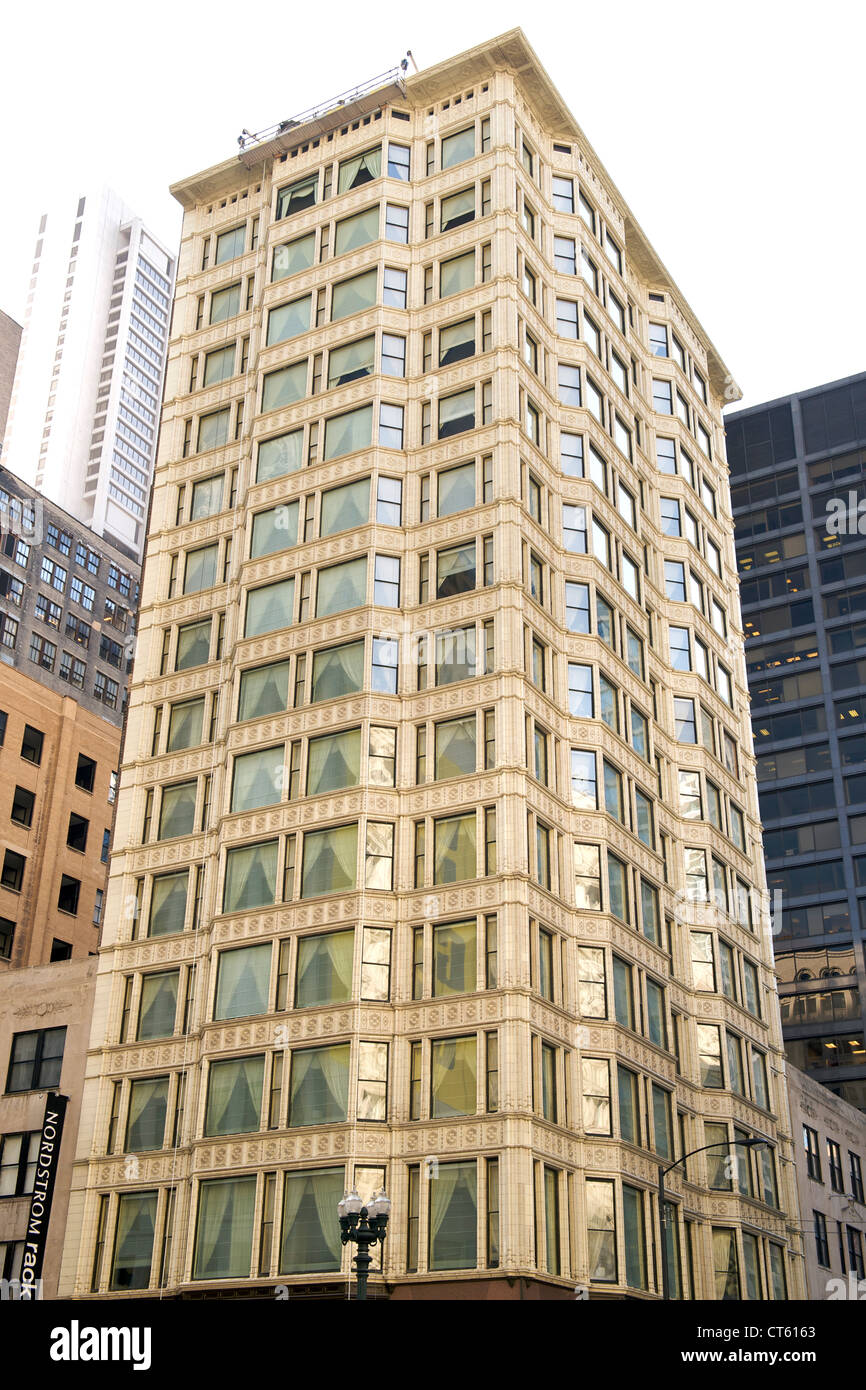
(341,587)
(274,530)
(455,849)
(311,1234)
(243,976)
(453,1217)
(325,969)
(319,1086)
(264,690)
(270,608)
(234,1096)
(338,671)
(133,1245)
(224,1234)
(330,861)
(258,779)
(145,1126)
(168,903)
(285,454)
(251,876)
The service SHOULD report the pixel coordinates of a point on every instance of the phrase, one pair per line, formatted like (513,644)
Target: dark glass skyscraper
(798,491)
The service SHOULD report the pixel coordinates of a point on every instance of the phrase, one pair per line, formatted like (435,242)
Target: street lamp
(663,1221)
(365,1226)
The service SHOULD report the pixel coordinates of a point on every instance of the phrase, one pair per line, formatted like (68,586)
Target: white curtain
(455,747)
(251,876)
(242,982)
(185,725)
(293,256)
(193,645)
(334,762)
(200,570)
(234,1100)
(168,903)
(285,387)
(345,434)
(320,1085)
(330,860)
(298,196)
(285,454)
(225,1228)
(258,779)
(458,208)
(341,587)
(454,958)
(456,489)
(455,571)
(145,1125)
(457,413)
(357,231)
(288,320)
(325,968)
(457,275)
(338,671)
(270,608)
(455,655)
(207,496)
(274,530)
(360,170)
(311,1227)
(158,1006)
(213,430)
(355,295)
(455,849)
(264,690)
(344,508)
(133,1248)
(454,1077)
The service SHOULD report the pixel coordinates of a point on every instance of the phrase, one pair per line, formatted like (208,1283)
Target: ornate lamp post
(365,1226)
(753,1143)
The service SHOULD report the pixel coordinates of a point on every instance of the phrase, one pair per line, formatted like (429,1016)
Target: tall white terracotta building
(437,862)
(84,413)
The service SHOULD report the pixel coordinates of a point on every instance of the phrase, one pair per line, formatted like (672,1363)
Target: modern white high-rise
(84,413)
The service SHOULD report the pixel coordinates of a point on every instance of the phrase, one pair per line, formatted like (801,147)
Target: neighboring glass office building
(798,477)
(438,829)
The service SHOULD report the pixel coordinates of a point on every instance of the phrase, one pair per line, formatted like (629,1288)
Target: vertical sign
(43,1191)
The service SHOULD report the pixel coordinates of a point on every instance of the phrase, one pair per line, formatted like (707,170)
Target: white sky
(734,131)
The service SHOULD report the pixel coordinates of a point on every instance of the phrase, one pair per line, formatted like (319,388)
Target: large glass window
(294,256)
(454,1066)
(319,1092)
(355,295)
(337,671)
(634,1237)
(330,861)
(168,903)
(243,976)
(133,1241)
(284,387)
(601,1231)
(146,1114)
(258,779)
(453,1217)
(200,569)
(158,1006)
(355,231)
(455,655)
(360,169)
(288,320)
(345,508)
(456,489)
(177,811)
(346,434)
(457,275)
(334,762)
(193,645)
(234,1096)
(455,570)
(281,455)
(251,877)
(454,849)
(324,969)
(263,690)
(224,1229)
(455,748)
(297,196)
(457,413)
(454,958)
(185,725)
(341,587)
(274,530)
(311,1237)
(269,608)
(352,362)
